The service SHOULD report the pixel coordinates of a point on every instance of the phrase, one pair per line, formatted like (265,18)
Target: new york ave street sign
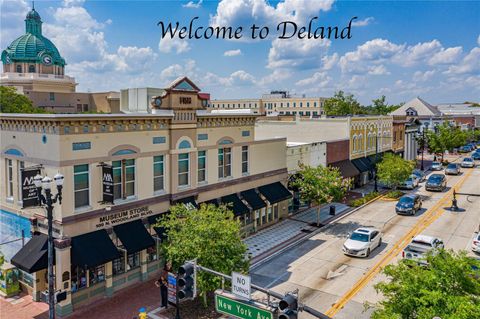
(227,304)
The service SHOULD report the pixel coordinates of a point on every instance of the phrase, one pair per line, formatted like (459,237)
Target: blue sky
(400,49)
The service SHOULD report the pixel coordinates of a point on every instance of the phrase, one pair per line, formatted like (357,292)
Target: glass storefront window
(118,265)
(79,278)
(264,216)
(275,211)
(133,261)
(270,214)
(152,254)
(96,274)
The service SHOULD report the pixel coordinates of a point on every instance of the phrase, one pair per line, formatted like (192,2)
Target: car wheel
(368,252)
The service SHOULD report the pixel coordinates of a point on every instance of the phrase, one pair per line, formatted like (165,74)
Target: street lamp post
(48,200)
(423,148)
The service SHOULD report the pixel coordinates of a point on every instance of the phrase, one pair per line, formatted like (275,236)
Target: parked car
(452,169)
(408,204)
(472,145)
(420,246)
(465,149)
(468,162)
(436,166)
(420,175)
(476,155)
(410,183)
(476,243)
(362,241)
(436,182)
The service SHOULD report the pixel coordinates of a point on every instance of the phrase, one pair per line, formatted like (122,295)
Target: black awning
(234,203)
(189,202)
(253,199)
(374,159)
(153,219)
(275,192)
(34,255)
(347,169)
(134,236)
(93,249)
(161,232)
(362,164)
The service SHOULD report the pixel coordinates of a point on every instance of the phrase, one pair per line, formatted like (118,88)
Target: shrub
(394,194)
(360,201)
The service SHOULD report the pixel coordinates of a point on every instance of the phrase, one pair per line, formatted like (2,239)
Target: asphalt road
(341,286)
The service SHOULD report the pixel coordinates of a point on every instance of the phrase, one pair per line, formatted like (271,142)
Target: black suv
(408,204)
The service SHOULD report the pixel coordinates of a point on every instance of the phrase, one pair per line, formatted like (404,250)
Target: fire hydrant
(142,313)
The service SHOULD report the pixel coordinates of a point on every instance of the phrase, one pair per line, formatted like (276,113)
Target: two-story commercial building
(177,153)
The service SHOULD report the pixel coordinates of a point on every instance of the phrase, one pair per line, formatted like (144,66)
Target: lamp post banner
(107,183)
(29,191)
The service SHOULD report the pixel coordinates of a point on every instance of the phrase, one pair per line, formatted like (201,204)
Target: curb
(308,236)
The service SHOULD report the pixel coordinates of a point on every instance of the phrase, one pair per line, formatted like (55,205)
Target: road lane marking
(428,218)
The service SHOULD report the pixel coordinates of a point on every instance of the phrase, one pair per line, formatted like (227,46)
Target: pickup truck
(419,247)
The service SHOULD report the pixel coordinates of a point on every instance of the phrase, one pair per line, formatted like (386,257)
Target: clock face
(46,59)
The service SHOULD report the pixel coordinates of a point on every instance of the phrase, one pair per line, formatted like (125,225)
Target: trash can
(332,210)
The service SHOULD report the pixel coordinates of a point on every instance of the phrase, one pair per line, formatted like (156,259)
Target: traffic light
(289,306)
(186,281)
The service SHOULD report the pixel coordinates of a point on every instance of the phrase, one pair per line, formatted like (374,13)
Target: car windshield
(435,164)
(405,200)
(452,166)
(359,237)
(467,159)
(435,178)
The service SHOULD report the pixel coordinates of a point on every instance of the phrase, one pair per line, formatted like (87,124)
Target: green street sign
(228,304)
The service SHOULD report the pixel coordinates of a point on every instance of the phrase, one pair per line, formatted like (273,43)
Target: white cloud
(178,45)
(329,61)
(420,76)
(232,52)
(446,56)
(470,64)
(237,78)
(373,51)
(170,73)
(378,70)
(12,15)
(418,53)
(318,79)
(193,5)
(296,53)
(276,76)
(363,23)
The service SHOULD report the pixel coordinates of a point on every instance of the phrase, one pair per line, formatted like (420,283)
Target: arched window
(19,69)
(31,68)
(354,144)
(360,142)
(184,145)
(124,152)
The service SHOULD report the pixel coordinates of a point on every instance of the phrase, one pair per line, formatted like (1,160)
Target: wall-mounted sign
(185,100)
(29,191)
(107,183)
(123,216)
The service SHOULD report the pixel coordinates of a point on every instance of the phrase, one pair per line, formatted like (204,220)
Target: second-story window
(244,159)
(52,96)
(224,162)
(202,166)
(183,169)
(158,173)
(81,185)
(123,179)
(9,163)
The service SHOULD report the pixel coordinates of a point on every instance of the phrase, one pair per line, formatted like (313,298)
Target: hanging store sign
(123,216)
(107,183)
(172,288)
(29,191)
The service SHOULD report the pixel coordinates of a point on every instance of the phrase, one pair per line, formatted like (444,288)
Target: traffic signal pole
(277,295)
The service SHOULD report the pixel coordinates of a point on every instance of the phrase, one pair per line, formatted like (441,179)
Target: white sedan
(362,241)
(468,162)
(476,243)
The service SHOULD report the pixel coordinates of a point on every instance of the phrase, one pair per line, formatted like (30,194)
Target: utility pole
(375,165)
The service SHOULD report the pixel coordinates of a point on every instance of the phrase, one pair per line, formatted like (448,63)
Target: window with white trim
(224,162)
(9,167)
(183,169)
(202,166)
(81,185)
(123,178)
(158,173)
(244,159)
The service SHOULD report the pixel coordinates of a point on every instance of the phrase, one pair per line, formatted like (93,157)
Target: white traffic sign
(241,285)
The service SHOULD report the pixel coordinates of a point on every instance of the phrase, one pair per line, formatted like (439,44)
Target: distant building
(275,103)
(33,65)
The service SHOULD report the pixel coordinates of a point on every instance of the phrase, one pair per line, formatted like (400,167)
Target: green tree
(211,235)
(449,287)
(380,107)
(445,137)
(342,104)
(321,185)
(393,170)
(12,102)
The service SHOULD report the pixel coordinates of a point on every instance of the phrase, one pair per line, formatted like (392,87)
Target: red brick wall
(470,120)
(337,151)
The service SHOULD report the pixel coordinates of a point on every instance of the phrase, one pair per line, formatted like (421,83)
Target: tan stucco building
(178,153)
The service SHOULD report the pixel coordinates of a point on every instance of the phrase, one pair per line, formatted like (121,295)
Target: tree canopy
(321,185)
(346,104)
(12,102)
(210,234)
(393,170)
(449,287)
(381,107)
(445,137)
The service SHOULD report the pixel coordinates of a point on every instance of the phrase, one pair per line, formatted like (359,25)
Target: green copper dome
(32,47)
